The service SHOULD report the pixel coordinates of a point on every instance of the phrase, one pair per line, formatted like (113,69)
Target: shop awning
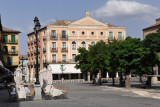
(4,72)
(67,69)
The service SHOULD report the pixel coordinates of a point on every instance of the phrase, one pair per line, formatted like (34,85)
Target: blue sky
(133,14)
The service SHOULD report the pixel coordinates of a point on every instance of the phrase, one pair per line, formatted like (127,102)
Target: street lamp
(36,30)
(62,68)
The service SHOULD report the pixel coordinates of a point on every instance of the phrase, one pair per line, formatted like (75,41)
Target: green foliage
(112,62)
(82,58)
(152,41)
(128,56)
(98,57)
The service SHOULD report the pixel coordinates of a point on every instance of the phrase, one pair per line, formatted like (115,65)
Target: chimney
(158,20)
(86,13)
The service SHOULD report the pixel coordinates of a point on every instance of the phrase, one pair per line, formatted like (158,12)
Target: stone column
(89,78)
(107,76)
(59,76)
(69,76)
(117,75)
(79,76)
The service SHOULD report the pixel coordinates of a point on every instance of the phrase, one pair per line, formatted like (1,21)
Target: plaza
(89,95)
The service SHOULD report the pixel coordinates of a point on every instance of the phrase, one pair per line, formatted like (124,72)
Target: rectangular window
(73,56)
(63,34)
(5,49)
(54,45)
(9,60)
(64,58)
(5,39)
(13,38)
(110,35)
(54,58)
(119,35)
(13,49)
(53,33)
(63,45)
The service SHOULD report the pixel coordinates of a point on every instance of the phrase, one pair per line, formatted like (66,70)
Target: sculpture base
(37,88)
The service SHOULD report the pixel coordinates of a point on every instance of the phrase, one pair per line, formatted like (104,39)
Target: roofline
(151,27)
(40,29)
(12,32)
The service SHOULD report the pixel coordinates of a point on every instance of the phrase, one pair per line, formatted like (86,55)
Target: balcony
(13,52)
(11,41)
(72,61)
(64,61)
(53,61)
(64,37)
(73,48)
(54,49)
(64,49)
(53,37)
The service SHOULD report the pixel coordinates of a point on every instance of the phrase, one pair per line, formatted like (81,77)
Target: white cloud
(123,8)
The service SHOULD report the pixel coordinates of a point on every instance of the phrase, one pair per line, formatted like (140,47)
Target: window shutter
(119,35)
(110,35)
(13,38)
(5,38)
(9,60)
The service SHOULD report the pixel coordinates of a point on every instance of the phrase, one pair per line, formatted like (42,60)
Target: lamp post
(62,68)
(36,30)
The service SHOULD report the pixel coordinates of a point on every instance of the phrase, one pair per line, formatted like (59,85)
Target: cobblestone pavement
(89,95)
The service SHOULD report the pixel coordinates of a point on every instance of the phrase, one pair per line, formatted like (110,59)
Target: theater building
(60,40)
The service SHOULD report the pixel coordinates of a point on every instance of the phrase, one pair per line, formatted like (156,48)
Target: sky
(133,14)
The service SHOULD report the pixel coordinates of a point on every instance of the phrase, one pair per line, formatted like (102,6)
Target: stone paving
(89,95)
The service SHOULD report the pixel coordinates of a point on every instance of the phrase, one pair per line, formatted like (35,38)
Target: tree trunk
(127,81)
(100,76)
(113,82)
(121,82)
(140,79)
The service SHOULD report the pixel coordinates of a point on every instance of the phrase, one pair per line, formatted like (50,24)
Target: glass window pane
(53,33)
(119,35)
(110,35)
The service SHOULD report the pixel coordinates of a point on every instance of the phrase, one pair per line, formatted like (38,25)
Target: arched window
(83,44)
(73,32)
(73,45)
(92,43)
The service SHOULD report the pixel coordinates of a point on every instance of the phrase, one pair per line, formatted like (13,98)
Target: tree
(132,55)
(97,57)
(112,62)
(152,41)
(82,59)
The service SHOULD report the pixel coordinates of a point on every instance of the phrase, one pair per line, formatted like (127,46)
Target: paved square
(87,95)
